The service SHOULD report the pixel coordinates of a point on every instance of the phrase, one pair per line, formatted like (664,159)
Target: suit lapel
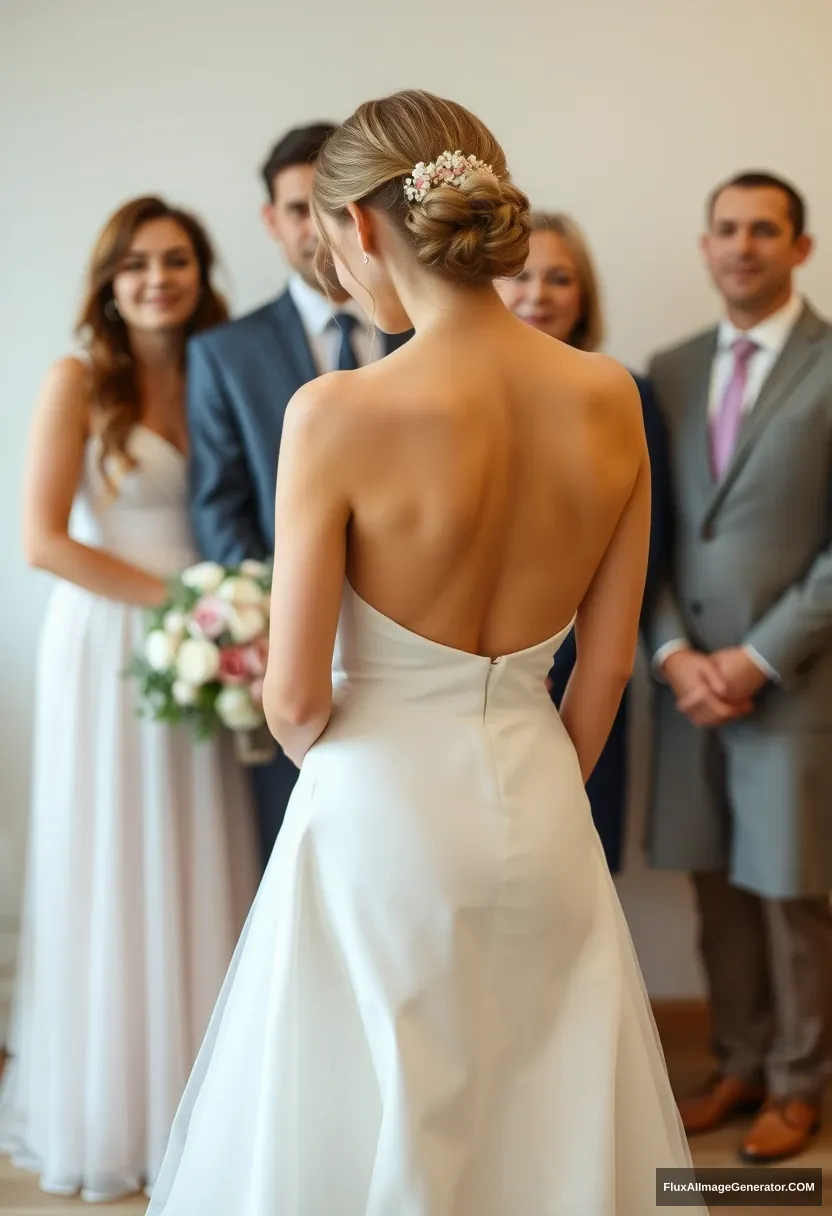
(695,431)
(291,338)
(796,359)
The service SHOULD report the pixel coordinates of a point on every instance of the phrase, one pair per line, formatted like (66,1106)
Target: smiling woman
(136,886)
(557,291)
(150,273)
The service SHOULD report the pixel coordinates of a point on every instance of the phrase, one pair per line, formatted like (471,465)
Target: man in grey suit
(241,377)
(742,640)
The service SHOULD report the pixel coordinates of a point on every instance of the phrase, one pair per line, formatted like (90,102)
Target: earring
(366,259)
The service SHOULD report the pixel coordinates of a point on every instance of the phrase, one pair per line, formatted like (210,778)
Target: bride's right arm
(607,623)
(54,466)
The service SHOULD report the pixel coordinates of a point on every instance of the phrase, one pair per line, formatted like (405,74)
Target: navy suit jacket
(241,377)
(607,786)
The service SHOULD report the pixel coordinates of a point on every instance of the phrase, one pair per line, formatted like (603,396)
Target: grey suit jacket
(751,565)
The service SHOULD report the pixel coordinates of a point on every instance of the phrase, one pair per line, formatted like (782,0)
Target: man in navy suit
(241,377)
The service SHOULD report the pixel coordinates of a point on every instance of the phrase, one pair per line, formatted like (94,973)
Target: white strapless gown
(141,869)
(435,1008)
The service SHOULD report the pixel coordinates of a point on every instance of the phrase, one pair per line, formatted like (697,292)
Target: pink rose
(210,616)
(256,655)
(233,666)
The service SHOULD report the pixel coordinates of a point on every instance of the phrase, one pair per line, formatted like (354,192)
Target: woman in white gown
(141,856)
(435,1008)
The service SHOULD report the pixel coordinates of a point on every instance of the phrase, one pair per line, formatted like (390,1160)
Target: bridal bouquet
(204,656)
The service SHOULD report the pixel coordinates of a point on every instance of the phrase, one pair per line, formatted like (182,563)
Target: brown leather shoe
(721,1099)
(783,1129)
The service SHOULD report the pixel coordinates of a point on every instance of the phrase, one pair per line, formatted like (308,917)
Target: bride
(435,1008)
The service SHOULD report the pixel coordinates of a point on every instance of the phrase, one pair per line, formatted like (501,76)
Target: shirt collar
(770,334)
(316,311)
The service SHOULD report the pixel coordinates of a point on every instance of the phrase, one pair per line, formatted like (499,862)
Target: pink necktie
(725,426)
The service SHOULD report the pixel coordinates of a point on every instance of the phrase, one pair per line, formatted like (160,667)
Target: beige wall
(623,111)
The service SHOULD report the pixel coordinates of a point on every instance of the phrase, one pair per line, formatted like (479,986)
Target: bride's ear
(364,227)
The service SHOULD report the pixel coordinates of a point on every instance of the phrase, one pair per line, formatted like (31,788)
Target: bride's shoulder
(602,380)
(324,413)
(341,398)
(323,397)
(603,393)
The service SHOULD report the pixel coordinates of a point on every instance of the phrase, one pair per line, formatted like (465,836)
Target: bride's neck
(431,301)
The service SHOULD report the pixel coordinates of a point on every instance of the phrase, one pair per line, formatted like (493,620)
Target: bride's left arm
(311,518)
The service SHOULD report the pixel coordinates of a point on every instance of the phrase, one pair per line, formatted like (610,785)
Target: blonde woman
(436,1008)
(558,293)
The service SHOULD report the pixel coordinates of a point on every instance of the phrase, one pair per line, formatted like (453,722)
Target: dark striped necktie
(346,322)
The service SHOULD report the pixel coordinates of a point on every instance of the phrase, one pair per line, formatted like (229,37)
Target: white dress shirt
(323,334)
(770,336)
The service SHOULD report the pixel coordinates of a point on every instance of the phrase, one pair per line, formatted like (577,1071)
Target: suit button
(695,608)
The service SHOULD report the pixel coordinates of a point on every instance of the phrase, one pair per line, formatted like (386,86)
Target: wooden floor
(684,1036)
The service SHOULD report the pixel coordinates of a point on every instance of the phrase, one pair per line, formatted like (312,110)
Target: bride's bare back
(480,487)
(486,480)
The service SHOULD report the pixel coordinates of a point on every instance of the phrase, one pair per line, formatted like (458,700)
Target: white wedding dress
(141,868)
(435,1008)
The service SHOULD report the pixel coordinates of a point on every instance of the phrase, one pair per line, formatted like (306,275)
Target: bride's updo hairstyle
(471,233)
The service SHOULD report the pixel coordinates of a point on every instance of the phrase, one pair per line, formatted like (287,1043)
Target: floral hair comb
(449,169)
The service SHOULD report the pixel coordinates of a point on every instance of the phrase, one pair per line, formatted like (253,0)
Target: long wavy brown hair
(103,333)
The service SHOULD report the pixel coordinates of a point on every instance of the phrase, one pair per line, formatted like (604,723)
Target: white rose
(241,592)
(198,661)
(175,624)
(252,569)
(245,624)
(236,710)
(184,694)
(159,650)
(204,577)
